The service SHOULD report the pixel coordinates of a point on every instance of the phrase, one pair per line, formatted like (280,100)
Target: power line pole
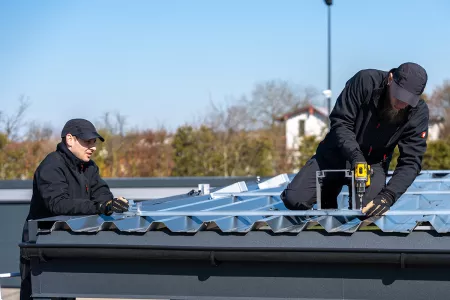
(328,91)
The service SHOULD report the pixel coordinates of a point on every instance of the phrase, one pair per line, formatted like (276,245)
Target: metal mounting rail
(419,193)
(277,194)
(285,213)
(320,175)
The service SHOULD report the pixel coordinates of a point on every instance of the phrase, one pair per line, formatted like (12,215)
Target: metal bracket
(319,179)
(229,190)
(274,182)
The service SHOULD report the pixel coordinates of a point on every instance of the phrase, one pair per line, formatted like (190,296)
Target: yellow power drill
(362,179)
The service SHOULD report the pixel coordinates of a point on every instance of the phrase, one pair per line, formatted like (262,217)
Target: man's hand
(380,205)
(116,205)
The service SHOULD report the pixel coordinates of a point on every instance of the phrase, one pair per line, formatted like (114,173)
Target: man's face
(396,108)
(81,148)
(397,104)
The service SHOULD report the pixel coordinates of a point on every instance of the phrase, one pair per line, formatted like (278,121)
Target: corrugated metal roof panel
(243,207)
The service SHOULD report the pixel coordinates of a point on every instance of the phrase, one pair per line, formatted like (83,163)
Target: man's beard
(392,115)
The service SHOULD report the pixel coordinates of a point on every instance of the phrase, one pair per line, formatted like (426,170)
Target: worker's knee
(291,200)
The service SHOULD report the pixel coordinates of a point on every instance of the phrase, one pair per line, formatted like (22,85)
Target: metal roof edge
(140,182)
(310,240)
(333,256)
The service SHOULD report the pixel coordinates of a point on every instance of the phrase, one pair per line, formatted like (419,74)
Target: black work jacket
(65,185)
(358,134)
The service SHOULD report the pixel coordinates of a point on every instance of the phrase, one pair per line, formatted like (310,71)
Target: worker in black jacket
(375,112)
(67,182)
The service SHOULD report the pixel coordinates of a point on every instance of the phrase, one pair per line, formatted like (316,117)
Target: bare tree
(439,105)
(13,123)
(227,120)
(121,122)
(115,125)
(228,116)
(113,130)
(38,132)
(271,99)
(253,119)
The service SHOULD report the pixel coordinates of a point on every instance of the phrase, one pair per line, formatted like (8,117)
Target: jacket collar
(69,157)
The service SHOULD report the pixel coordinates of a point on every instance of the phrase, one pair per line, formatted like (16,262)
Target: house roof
(311,109)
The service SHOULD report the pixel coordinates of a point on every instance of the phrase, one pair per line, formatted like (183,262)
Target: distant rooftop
(322,111)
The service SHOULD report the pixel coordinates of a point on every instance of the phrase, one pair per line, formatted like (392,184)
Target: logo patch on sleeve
(423,134)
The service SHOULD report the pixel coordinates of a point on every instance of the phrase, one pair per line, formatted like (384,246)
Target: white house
(436,122)
(305,121)
(434,130)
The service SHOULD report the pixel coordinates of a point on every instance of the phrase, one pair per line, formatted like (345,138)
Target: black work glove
(116,205)
(380,205)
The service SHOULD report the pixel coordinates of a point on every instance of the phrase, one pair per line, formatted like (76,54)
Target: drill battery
(362,179)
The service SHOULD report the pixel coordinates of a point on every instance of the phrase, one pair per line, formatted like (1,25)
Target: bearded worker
(376,111)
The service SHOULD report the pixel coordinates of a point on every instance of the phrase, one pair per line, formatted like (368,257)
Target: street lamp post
(328,92)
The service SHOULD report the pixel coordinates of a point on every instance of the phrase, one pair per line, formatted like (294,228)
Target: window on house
(301,128)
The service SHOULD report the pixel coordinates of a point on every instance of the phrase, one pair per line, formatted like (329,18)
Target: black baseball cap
(81,128)
(409,83)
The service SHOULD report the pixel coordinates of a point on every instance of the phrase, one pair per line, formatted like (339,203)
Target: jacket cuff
(388,195)
(356,157)
(102,208)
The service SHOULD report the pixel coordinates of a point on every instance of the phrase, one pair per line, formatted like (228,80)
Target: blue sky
(158,62)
